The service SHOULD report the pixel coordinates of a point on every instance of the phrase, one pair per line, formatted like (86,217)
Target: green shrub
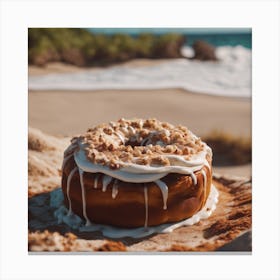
(229,149)
(168,45)
(80,47)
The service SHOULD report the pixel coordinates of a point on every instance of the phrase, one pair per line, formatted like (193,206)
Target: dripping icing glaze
(105,182)
(81,172)
(68,189)
(135,173)
(114,232)
(164,190)
(141,174)
(115,189)
(96,181)
(146,206)
(204,182)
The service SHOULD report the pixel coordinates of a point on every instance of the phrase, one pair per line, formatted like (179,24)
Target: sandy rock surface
(223,230)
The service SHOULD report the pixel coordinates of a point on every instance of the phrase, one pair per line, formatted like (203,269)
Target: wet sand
(59,67)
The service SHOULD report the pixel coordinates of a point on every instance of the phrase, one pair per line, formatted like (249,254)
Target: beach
(72,112)
(56,111)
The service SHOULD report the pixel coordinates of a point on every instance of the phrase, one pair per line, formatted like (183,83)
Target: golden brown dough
(128,208)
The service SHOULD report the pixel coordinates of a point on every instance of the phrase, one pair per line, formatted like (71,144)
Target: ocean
(214,36)
(230,76)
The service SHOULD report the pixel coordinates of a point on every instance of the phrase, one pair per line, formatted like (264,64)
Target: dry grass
(229,149)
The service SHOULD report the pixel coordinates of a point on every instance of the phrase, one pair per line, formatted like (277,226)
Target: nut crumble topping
(143,142)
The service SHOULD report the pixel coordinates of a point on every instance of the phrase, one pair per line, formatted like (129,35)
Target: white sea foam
(230,76)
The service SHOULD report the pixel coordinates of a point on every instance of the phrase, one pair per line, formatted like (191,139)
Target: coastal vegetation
(229,149)
(80,47)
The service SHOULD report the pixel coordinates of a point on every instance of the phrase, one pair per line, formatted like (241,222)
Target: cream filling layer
(135,173)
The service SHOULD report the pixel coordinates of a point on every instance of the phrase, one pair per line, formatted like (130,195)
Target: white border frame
(17,16)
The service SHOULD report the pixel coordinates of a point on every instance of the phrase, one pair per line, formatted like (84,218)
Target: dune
(45,154)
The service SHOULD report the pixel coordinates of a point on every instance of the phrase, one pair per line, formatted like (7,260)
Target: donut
(136,173)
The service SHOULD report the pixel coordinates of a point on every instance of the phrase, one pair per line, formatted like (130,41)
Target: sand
(67,113)
(59,67)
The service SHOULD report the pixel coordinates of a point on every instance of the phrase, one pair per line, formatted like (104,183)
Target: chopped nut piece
(144,142)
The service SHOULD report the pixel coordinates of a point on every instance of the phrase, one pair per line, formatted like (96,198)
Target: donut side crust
(127,209)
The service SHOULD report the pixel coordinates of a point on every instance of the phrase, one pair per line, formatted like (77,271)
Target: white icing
(105,182)
(121,137)
(204,181)
(124,129)
(136,173)
(68,189)
(115,189)
(114,232)
(166,132)
(126,176)
(164,190)
(194,178)
(131,130)
(146,206)
(81,172)
(96,181)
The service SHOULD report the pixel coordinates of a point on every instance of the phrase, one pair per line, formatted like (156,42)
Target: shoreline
(208,78)
(127,90)
(61,68)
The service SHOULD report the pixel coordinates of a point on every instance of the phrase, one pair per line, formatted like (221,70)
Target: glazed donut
(135,173)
